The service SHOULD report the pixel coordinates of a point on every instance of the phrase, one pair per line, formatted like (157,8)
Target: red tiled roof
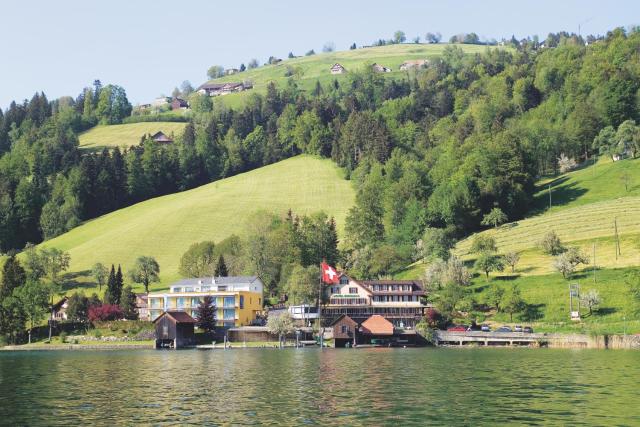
(377,325)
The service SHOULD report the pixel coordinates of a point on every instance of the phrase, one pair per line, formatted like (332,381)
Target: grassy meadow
(585,204)
(309,69)
(166,226)
(125,135)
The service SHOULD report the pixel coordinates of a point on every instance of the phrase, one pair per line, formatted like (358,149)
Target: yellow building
(238,299)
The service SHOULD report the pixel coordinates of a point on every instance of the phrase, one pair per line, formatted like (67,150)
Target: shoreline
(566,341)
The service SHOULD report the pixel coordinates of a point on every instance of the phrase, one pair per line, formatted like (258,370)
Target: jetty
(443,338)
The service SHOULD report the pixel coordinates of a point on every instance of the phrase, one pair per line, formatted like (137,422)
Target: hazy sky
(151,46)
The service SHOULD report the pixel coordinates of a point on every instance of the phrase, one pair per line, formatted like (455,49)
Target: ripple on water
(316,387)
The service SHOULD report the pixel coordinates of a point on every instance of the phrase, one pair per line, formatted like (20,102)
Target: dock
(489,338)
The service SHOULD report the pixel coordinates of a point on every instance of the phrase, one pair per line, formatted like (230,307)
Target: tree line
(439,148)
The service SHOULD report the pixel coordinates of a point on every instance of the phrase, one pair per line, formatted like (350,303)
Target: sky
(151,46)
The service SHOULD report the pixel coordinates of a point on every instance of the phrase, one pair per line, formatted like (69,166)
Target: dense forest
(436,149)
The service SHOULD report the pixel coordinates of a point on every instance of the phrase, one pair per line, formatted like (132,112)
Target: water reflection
(330,387)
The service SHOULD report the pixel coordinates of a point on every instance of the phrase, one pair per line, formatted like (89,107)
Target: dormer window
(344,280)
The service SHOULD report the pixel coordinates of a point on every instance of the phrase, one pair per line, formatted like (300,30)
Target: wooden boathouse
(175,329)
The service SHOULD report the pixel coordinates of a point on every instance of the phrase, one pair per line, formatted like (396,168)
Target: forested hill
(438,148)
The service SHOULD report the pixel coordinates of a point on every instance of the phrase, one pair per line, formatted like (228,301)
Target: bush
(3,341)
(63,337)
(97,333)
(105,312)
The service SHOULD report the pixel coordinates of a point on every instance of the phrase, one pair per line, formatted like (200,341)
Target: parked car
(504,329)
(518,328)
(458,328)
(527,329)
(485,328)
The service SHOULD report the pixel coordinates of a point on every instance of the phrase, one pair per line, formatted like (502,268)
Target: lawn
(547,297)
(126,135)
(310,69)
(165,227)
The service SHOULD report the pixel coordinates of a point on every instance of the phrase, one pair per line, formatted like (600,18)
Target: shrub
(482,243)
(63,337)
(97,333)
(105,312)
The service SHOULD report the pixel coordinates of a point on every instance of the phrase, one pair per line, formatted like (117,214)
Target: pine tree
(109,294)
(221,268)
(206,314)
(119,285)
(128,304)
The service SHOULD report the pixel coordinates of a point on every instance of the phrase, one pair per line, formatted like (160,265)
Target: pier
(489,338)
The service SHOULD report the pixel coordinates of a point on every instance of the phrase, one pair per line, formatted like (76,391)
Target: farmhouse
(217,89)
(238,299)
(60,309)
(174,329)
(414,63)
(338,69)
(377,68)
(161,138)
(160,102)
(399,301)
(230,71)
(179,104)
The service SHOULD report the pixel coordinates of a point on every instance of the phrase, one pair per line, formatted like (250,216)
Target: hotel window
(344,280)
(241,301)
(229,302)
(180,302)
(353,290)
(177,289)
(195,302)
(188,289)
(229,314)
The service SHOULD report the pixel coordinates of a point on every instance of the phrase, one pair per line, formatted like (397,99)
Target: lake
(324,387)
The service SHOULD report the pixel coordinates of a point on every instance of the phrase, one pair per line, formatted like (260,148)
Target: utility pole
(615,225)
(549,195)
(594,262)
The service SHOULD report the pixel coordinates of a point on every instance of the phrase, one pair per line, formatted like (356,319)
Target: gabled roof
(336,65)
(57,306)
(377,325)
(228,280)
(345,317)
(178,316)
(161,137)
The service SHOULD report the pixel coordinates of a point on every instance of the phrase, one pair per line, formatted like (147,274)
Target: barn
(175,329)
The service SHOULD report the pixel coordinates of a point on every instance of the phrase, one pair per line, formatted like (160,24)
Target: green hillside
(125,135)
(309,69)
(164,227)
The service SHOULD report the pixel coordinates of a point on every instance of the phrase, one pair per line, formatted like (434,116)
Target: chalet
(399,301)
(414,63)
(230,71)
(338,69)
(60,309)
(217,89)
(161,138)
(179,104)
(377,68)
(142,306)
(174,329)
(344,331)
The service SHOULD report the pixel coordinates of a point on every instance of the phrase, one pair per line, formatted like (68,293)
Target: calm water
(330,387)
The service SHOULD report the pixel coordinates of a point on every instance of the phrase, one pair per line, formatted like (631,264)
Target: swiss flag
(329,274)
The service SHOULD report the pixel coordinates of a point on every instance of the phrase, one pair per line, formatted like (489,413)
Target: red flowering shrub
(104,312)
(433,317)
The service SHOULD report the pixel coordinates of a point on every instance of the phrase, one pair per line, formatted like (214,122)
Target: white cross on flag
(329,274)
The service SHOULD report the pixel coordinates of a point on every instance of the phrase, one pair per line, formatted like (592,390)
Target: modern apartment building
(238,299)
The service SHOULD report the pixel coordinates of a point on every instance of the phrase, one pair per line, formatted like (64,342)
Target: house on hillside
(60,309)
(179,104)
(230,71)
(142,306)
(161,138)
(377,68)
(413,63)
(338,69)
(175,329)
(217,89)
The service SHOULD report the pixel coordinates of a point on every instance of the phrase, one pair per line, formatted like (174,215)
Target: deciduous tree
(145,271)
